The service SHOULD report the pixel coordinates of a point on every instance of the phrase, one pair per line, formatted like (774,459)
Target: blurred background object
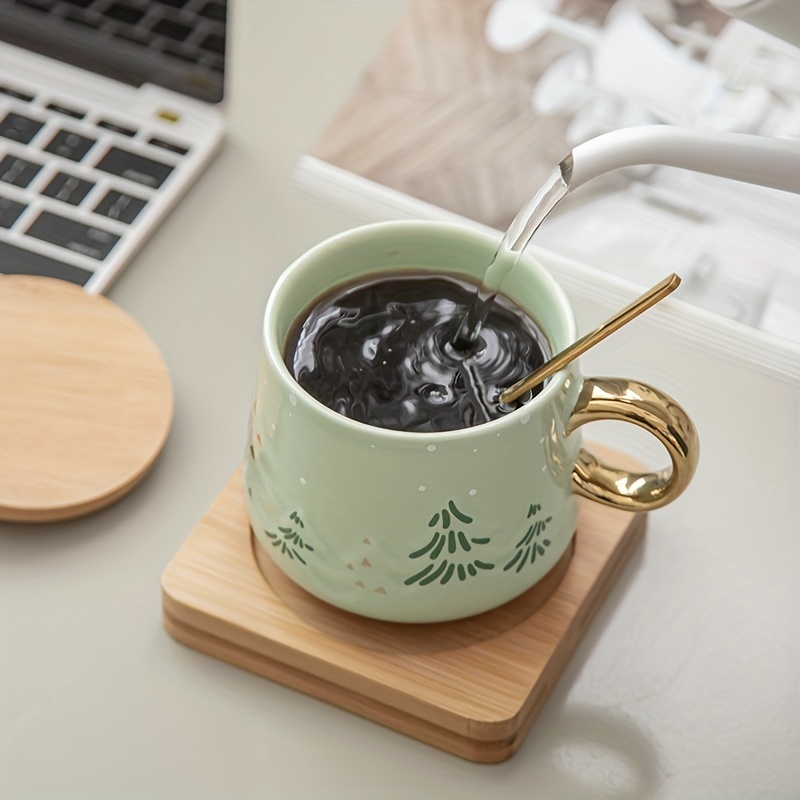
(472,102)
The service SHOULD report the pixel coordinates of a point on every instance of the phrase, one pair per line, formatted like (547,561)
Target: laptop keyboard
(76,181)
(189,30)
(88,172)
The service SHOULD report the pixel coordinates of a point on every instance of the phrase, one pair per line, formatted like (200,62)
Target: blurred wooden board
(471,687)
(85,400)
(441,116)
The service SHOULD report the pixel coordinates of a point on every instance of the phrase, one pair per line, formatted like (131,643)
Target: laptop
(109,111)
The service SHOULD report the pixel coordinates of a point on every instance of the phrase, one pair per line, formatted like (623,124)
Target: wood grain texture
(86,400)
(471,687)
(441,116)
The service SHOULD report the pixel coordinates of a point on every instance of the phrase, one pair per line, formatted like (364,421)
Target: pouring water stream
(773,163)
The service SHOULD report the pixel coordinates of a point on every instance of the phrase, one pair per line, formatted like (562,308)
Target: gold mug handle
(631,401)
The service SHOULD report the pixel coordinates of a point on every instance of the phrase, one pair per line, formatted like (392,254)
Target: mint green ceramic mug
(426,527)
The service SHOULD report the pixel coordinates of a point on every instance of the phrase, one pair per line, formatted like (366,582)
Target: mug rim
(273,350)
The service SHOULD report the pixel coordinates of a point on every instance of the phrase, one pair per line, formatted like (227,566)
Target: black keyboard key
(120,206)
(37,5)
(113,126)
(70,145)
(133,35)
(189,57)
(79,3)
(215,11)
(18,171)
(214,43)
(86,21)
(68,189)
(10,211)
(173,3)
(16,261)
(19,128)
(134,167)
(171,146)
(172,29)
(9,92)
(66,111)
(85,239)
(124,13)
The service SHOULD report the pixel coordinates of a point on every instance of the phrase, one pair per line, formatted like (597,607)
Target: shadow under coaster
(471,687)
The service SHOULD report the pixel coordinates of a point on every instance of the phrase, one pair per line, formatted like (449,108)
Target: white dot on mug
(541,441)
(525,419)
(544,468)
(292,399)
(473,492)
(475,450)
(303,481)
(431,448)
(272,425)
(422,488)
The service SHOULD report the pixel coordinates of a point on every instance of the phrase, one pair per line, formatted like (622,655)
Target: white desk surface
(685,686)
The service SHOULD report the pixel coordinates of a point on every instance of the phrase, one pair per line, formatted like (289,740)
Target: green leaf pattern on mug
(446,548)
(289,541)
(445,551)
(532,543)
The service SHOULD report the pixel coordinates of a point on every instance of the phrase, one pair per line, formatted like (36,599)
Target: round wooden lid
(85,400)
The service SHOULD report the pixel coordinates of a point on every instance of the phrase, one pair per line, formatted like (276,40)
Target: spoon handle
(642,303)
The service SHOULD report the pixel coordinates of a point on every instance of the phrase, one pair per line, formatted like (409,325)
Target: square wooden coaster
(471,687)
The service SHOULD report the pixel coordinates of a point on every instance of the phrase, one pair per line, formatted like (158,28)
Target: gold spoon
(649,298)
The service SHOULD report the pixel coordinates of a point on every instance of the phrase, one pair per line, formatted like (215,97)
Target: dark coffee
(380,351)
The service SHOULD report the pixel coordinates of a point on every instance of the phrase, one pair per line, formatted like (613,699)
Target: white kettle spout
(761,160)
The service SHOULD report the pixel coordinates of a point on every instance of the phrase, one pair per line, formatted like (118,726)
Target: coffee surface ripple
(381,353)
